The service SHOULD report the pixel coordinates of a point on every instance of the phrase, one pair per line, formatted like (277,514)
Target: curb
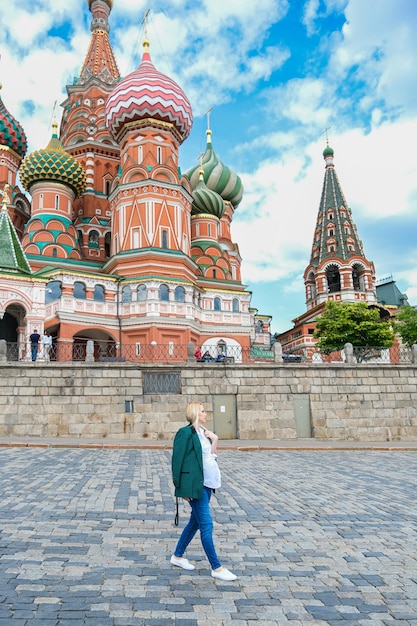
(319,447)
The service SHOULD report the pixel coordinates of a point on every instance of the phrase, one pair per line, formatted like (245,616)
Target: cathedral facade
(116,244)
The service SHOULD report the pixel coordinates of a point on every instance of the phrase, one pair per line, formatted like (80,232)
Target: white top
(211,470)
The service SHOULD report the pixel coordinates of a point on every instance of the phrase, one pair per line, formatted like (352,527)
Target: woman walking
(196,475)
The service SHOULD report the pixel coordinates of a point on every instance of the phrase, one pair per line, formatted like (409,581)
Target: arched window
(235,305)
(99,293)
(54,252)
(79,291)
(259,326)
(41,201)
(159,154)
(93,239)
(164,239)
(179,294)
(80,237)
(53,291)
(126,294)
(57,202)
(142,293)
(164,293)
(217,304)
(107,187)
(331,232)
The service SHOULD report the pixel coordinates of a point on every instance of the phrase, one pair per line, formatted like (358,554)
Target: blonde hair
(191,412)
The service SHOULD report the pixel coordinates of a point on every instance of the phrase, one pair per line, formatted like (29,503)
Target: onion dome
(53,164)
(218,177)
(328,151)
(147,94)
(206,201)
(12,134)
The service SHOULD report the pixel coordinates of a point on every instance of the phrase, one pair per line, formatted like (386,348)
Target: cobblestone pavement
(316,537)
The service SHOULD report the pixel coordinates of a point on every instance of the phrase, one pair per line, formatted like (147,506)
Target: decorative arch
(164,174)
(56,225)
(135,174)
(32,249)
(43,236)
(65,240)
(34,226)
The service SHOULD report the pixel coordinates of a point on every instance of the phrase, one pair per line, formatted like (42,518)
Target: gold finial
(5,197)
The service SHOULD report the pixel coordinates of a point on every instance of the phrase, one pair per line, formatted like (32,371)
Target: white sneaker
(180,562)
(223,574)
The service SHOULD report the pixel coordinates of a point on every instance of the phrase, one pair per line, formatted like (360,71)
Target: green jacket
(187,464)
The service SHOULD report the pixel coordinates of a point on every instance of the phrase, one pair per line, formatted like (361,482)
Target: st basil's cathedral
(116,245)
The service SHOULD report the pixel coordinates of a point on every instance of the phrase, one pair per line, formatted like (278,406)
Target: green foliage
(406,325)
(355,323)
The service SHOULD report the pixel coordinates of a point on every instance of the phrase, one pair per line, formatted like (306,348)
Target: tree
(406,324)
(354,323)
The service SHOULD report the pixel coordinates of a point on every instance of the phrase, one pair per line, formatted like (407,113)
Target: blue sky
(276,73)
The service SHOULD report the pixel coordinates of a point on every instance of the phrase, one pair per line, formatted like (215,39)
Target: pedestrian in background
(196,475)
(47,345)
(34,344)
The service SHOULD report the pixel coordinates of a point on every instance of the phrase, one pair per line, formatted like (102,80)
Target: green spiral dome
(217,176)
(206,201)
(55,165)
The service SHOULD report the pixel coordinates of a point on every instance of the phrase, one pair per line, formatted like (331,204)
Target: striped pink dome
(147,93)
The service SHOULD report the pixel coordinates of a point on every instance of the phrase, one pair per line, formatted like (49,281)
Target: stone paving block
(317,538)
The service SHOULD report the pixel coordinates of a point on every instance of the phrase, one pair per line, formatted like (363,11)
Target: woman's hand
(213,438)
(210,435)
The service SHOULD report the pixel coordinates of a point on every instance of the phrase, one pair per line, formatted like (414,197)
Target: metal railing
(109,352)
(365,354)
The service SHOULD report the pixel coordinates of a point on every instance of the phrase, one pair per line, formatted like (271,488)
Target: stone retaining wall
(354,402)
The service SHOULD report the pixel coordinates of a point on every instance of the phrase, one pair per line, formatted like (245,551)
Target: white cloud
(379,42)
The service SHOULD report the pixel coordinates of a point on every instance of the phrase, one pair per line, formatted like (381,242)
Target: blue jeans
(200,519)
(34,349)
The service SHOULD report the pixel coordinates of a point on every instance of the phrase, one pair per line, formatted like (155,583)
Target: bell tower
(338,268)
